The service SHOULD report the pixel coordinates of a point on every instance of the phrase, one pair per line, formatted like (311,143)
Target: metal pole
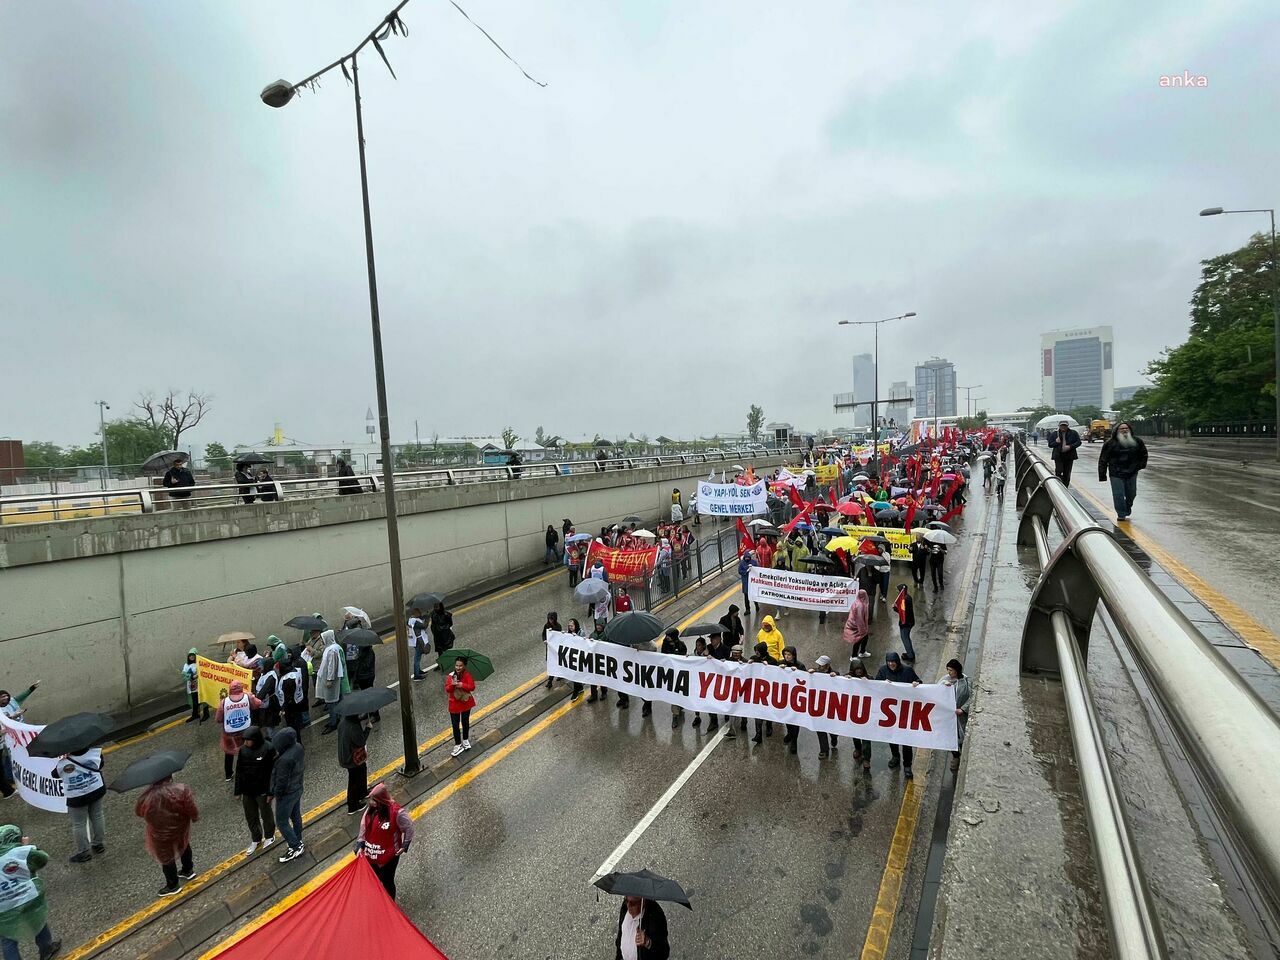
(875,400)
(412,765)
(1275,318)
(102,428)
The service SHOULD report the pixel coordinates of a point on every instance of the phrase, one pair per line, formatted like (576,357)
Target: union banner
(625,567)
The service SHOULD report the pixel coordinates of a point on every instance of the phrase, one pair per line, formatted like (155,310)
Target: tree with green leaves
(1226,368)
(216,452)
(1036,414)
(1086,413)
(755,420)
(509,437)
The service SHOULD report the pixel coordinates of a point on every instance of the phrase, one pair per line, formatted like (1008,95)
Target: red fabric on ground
(350,915)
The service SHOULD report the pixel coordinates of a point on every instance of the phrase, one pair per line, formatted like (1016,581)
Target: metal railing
(1227,728)
(46,508)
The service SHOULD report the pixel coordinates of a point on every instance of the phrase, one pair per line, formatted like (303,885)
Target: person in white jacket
(333,667)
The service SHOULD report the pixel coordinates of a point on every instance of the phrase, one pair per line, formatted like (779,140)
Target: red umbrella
(848,509)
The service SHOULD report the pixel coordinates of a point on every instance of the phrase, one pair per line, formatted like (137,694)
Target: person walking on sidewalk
(353,757)
(460,686)
(333,667)
(169,809)
(82,785)
(937,557)
(894,671)
(386,830)
(964,693)
(286,787)
(420,640)
(1064,448)
(744,574)
(23,911)
(1123,455)
(191,680)
(254,765)
(857,627)
(552,554)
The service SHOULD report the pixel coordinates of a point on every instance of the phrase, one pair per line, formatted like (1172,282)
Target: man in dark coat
(179,481)
(895,671)
(1123,455)
(1063,448)
(347,482)
(646,924)
(244,477)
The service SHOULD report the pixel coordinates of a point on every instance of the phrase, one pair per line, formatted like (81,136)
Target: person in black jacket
(553,553)
(895,671)
(790,658)
(1063,448)
(254,764)
(347,482)
(673,645)
(442,628)
(734,631)
(937,557)
(646,924)
(762,656)
(179,481)
(286,787)
(244,477)
(1124,455)
(919,550)
(363,676)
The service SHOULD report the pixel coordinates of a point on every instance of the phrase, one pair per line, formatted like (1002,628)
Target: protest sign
(826,473)
(732,499)
(899,540)
(216,679)
(33,775)
(922,716)
(804,591)
(625,567)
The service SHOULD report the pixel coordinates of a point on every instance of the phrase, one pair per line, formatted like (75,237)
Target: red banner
(624,567)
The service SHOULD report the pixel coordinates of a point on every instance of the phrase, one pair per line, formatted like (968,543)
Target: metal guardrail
(1227,728)
(46,508)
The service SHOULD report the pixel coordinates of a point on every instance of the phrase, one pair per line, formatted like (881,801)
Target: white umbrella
(1044,423)
(360,615)
(760,523)
(939,536)
(645,534)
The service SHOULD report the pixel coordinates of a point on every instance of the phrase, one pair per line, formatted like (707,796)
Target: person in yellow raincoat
(771,636)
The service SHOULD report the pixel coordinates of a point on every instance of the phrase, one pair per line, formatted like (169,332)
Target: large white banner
(732,499)
(805,591)
(923,716)
(34,775)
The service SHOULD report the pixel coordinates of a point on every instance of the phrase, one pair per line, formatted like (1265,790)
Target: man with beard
(1063,448)
(1123,455)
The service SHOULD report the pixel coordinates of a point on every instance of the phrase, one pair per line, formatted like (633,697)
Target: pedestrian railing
(45,508)
(1228,729)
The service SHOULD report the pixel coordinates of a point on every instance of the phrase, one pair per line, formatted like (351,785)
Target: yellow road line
(454,786)
(876,945)
(1228,611)
(208,876)
(144,736)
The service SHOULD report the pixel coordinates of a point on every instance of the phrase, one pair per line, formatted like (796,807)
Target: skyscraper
(1076,368)
(864,389)
(898,409)
(936,388)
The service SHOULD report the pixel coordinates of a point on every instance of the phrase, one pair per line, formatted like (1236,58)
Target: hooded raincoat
(857,624)
(333,667)
(168,809)
(23,911)
(773,639)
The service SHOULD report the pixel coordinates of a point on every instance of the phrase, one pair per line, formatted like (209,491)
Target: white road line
(647,820)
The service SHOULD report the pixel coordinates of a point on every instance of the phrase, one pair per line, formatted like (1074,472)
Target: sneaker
(188,876)
(99,848)
(52,951)
(290,854)
(251,849)
(466,744)
(419,677)
(908,774)
(757,739)
(83,857)
(864,655)
(268,842)
(822,754)
(894,763)
(457,751)
(169,891)
(1122,519)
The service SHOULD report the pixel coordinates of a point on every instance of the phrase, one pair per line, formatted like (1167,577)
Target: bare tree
(172,413)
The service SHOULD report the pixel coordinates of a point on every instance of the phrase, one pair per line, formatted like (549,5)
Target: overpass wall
(104,610)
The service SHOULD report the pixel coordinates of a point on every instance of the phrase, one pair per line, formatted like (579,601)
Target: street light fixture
(967,412)
(875,384)
(102,429)
(1275,298)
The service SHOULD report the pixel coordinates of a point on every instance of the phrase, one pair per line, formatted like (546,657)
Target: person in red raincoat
(169,809)
(386,830)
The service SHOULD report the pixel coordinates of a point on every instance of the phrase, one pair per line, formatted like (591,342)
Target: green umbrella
(480,666)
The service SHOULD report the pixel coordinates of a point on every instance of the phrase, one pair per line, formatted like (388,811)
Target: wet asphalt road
(1214,516)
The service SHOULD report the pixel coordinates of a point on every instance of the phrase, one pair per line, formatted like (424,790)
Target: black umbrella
(359,637)
(307,623)
(890,514)
(874,561)
(152,769)
(938,525)
(644,883)
(73,734)
(634,628)
(162,460)
(632,520)
(425,601)
(251,458)
(702,630)
(768,532)
(882,541)
(365,701)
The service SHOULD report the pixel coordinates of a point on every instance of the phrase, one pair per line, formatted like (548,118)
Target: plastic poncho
(773,639)
(25,921)
(168,809)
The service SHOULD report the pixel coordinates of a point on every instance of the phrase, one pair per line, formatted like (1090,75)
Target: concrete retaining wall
(103,610)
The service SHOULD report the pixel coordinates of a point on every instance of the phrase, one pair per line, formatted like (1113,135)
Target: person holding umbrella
(245,481)
(419,640)
(333,667)
(642,931)
(386,830)
(460,687)
(23,911)
(937,557)
(353,734)
(734,631)
(1063,448)
(169,809)
(179,481)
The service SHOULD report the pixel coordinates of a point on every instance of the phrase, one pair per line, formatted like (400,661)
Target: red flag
(798,518)
(747,543)
(794,494)
(831,495)
(911,515)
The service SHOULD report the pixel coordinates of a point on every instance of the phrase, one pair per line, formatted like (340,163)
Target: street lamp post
(875,378)
(967,412)
(103,406)
(1275,299)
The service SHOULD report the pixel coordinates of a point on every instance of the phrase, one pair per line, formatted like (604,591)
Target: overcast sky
(663,235)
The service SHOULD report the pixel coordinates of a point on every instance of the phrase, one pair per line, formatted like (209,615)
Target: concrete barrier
(104,609)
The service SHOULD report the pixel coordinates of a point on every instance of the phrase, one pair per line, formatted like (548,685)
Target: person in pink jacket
(857,627)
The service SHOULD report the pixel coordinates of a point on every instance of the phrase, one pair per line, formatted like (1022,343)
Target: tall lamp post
(103,406)
(875,379)
(967,412)
(1275,299)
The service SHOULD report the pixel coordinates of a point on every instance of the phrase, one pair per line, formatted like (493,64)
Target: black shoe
(742,724)
(757,739)
(576,694)
(646,710)
(793,746)
(908,774)
(99,848)
(675,721)
(84,857)
(894,763)
(593,698)
(169,891)
(188,876)
(548,683)
(768,729)
(822,754)
(327,730)
(712,727)
(54,947)
(191,719)
(697,722)
(623,704)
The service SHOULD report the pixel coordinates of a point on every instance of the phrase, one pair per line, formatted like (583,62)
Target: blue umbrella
(832,532)
(577,538)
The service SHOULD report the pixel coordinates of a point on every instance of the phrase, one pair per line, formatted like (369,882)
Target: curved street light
(875,379)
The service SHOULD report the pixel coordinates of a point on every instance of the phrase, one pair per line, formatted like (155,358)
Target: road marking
(465,608)
(208,876)
(876,945)
(469,774)
(1228,611)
